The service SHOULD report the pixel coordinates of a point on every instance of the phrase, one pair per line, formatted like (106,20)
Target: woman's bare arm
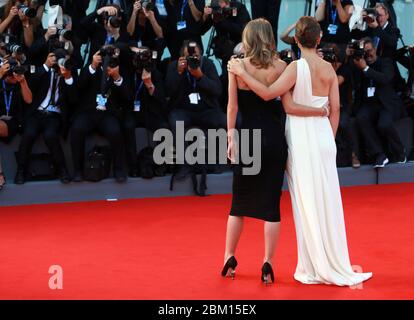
(334,104)
(285,82)
(232,104)
(300,110)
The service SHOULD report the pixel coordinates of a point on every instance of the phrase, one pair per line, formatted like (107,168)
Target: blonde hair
(259,43)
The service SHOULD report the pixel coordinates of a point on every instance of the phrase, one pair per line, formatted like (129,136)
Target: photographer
(333,16)
(15,92)
(346,138)
(194,89)
(106,30)
(184,22)
(103,95)
(144,27)
(16,21)
(76,9)
(54,92)
(147,106)
(229,19)
(380,29)
(378,105)
(57,37)
(288,39)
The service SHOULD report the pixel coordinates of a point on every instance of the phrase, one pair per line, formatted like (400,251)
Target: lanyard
(7,101)
(192,81)
(334,13)
(185,2)
(139,88)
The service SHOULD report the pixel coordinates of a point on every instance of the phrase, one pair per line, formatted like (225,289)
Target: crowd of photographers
(77,74)
(374,95)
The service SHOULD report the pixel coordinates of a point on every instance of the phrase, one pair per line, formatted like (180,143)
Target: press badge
(137,106)
(370,92)
(194,98)
(101,102)
(332,29)
(5,117)
(181,25)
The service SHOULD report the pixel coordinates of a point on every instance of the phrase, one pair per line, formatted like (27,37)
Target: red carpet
(172,248)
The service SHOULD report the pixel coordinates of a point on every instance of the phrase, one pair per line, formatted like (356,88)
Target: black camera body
(358,48)
(329,55)
(147,5)
(371,15)
(193,62)
(27,11)
(286,56)
(11,48)
(144,60)
(219,14)
(15,67)
(114,21)
(110,55)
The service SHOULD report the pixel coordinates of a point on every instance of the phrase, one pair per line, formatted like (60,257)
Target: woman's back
(322,74)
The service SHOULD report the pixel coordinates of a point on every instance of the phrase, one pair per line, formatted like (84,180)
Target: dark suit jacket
(382,73)
(39,83)
(156,103)
(388,39)
(209,86)
(90,86)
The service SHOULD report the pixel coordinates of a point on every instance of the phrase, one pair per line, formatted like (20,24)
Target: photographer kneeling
(194,88)
(378,105)
(15,91)
(147,108)
(103,93)
(54,91)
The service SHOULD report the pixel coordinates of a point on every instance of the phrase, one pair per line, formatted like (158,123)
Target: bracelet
(327,111)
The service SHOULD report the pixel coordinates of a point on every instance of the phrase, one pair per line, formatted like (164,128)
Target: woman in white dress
(311,169)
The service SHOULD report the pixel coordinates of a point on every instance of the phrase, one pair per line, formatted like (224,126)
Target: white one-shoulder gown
(314,189)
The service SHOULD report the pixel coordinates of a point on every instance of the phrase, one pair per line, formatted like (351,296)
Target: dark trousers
(47,124)
(268,9)
(376,126)
(132,120)
(106,124)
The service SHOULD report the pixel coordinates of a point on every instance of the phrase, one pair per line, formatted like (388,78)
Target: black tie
(54,83)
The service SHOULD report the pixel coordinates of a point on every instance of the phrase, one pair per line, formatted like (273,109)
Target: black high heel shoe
(267,272)
(229,269)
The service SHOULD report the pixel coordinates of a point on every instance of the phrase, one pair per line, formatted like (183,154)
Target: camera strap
(7,100)
(139,87)
(192,81)
(185,3)
(334,13)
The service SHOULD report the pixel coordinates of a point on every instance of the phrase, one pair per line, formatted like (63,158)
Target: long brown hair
(259,43)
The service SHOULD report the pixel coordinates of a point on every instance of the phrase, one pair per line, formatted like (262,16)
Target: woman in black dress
(258,196)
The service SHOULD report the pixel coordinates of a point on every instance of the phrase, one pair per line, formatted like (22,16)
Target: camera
(12,48)
(147,5)
(144,60)
(371,15)
(358,49)
(110,56)
(329,55)
(65,33)
(114,21)
(286,55)
(27,11)
(15,67)
(219,13)
(193,61)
